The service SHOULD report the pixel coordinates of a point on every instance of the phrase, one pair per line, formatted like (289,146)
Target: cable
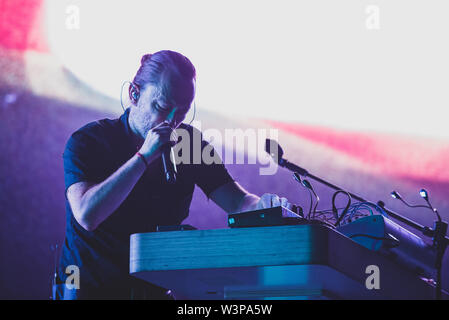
(307,184)
(121,94)
(334,208)
(316,205)
(355,211)
(395,242)
(357,208)
(311,203)
(377,207)
(433,209)
(368,236)
(194,112)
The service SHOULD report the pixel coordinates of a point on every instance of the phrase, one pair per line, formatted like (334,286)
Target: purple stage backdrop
(44,97)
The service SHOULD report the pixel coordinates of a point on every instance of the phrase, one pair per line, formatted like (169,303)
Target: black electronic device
(275,216)
(181,227)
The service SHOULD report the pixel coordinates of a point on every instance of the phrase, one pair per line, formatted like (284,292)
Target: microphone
(168,161)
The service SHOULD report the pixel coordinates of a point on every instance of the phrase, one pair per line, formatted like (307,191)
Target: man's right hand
(155,139)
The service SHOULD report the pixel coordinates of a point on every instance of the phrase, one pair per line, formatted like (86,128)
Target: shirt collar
(124,119)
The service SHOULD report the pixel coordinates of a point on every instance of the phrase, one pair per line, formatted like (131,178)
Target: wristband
(143,158)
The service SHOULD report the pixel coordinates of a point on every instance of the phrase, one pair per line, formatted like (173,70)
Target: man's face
(154,107)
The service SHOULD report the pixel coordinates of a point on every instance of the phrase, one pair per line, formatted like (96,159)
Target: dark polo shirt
(92,154)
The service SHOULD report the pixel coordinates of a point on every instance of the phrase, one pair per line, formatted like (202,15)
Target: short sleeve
(211,173)
(81,159)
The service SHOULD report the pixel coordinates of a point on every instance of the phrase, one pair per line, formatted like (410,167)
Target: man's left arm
(218,185)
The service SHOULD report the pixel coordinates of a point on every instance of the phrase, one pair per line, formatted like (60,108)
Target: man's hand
(269,200)
(233,198)
(157,137)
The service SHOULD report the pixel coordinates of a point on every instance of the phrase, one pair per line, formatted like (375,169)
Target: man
(115,184)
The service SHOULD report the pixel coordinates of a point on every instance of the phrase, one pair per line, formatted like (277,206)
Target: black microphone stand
(438,233)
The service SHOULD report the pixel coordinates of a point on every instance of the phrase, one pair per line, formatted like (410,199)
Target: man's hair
(168,70)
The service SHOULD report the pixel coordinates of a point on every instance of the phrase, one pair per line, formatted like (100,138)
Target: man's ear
(134,92)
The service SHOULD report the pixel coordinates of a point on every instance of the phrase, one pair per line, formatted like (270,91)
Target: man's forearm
(102,199)
(248,203)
